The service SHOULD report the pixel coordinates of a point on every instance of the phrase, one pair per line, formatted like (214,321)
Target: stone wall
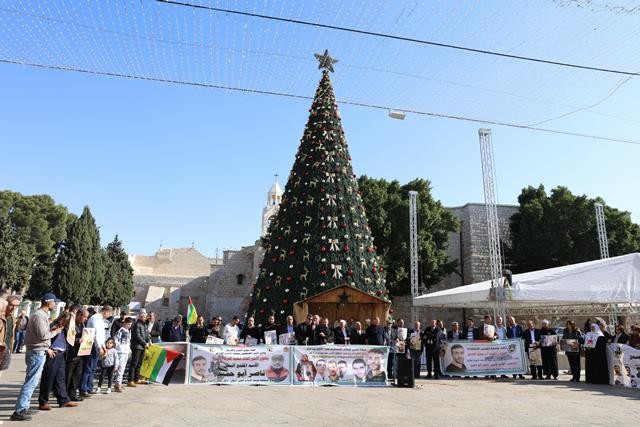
(183,262)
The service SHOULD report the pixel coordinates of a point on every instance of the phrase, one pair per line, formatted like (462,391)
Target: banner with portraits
(474,358)
(343,365)
(624,365)
(223,364)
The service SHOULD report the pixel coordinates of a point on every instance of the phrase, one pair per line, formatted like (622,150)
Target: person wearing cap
(98,350)
(37,341)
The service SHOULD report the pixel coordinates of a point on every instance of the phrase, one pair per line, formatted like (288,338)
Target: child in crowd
(108,364)
(123,347)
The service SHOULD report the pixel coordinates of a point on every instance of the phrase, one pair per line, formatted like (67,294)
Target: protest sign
(250,341)
(570,345)
(71,330)
(214,340)
(159,364)
(345,365)
(270,337)
(86,342)
(222,364)
(624,365)
(548,340)
(288,338)
(463,358)
(590,340)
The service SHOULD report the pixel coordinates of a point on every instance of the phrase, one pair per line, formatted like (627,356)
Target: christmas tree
(319,239)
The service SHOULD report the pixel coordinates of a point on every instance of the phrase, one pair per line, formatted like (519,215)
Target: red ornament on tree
(323,272)
(289,279)
(323,249)
(349,272)
(285,301)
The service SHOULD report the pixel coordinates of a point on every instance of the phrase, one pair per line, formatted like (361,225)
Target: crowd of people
(53,359)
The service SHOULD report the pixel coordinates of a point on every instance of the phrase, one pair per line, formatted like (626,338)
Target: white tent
(611,282)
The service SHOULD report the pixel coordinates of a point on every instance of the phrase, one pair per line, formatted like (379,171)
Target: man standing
(232,331)
(172,331)
(53,373)
(37,341)
(98,350)
(514,331)
(140,340)
(322,334)
(455,333)
(75,363)
(375,333)
(549,352)
(470,331)
(197,332)
(301,330)
(341,334)
(415,348)
(154,327)
(531,342)
(432,350)
(271,326)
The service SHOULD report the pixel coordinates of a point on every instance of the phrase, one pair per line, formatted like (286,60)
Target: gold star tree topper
(325,60)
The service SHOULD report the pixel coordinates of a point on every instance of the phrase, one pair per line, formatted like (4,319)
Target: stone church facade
(221,286)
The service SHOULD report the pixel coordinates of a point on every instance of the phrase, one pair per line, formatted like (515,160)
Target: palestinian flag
(159,364)
(192,314)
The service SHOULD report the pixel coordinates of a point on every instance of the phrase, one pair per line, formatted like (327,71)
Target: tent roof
(607,281)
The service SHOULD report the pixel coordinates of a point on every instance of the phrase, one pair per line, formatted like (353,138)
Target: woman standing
(597,371)
(573,355)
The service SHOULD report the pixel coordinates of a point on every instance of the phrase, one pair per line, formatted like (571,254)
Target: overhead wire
(400,38)
(306,97)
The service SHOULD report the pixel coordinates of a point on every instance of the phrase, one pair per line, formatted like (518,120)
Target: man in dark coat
(341,333)
(375,333)
(323,334)
(514,331)
(173,331)
(432,351)
(549,353)
(75,363)
(301,330)
(270,326)
(532,340)
(140,340)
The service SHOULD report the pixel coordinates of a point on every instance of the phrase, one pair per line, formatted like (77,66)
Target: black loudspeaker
(405,373)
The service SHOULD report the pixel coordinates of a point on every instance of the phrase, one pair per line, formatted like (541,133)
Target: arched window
(240,279)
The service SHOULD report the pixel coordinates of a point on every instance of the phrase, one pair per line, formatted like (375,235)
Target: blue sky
(171,164)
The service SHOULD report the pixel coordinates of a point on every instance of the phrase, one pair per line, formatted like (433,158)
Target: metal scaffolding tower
(604,252)
(493,230)
(413,246)
(602,231)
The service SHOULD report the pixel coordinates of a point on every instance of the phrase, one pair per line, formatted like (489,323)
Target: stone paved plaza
(433,402)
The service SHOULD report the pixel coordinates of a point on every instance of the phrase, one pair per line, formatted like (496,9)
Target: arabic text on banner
(464,358)
(624,365)
(222,364)
(347,365)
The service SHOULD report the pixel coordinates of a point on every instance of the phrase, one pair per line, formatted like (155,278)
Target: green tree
(40,224)
(320,238)
(79,270)
(387,205)
(118,279)
(560,229)
(16,257)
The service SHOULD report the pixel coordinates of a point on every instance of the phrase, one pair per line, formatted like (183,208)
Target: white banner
(348,365)
(222,364)
(473,358)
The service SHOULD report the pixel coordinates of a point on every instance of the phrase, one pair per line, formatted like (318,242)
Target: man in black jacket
(173,331)
(301,330)
(323,334)
(470,332)
(531,336)
(514,331)
(75,363)
(375,333)
(432,336)
(140,341)
(270,326)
